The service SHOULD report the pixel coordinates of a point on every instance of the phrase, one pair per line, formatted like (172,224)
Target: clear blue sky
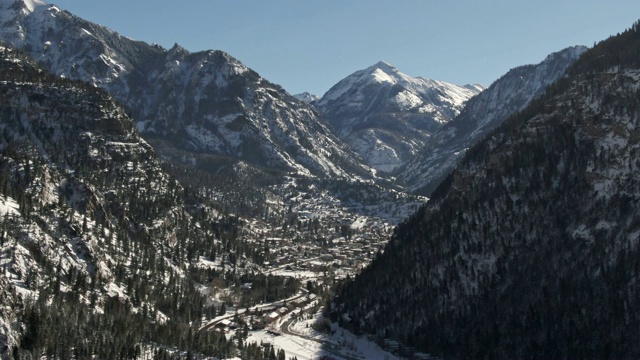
(309,45)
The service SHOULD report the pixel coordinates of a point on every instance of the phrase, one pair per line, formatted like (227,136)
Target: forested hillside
(530,249)
(102,252)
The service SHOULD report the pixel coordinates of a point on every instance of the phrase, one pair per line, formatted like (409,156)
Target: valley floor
(297,337)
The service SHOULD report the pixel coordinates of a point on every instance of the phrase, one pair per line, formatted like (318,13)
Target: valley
(167,204)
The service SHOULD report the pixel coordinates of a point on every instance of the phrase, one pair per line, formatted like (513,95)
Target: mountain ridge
(481,114)
(204,102)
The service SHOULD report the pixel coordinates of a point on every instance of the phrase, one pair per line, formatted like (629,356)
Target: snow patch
(382,77)
(407,100)
(9,206)
(30,5)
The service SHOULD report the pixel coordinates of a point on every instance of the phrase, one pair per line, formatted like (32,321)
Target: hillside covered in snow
(387,116)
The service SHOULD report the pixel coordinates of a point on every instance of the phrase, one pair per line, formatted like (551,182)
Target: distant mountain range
(307,97)
(387,116)
(209,110)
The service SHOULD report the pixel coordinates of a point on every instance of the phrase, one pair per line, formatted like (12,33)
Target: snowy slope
(507,95)
(386,115)
(203,103)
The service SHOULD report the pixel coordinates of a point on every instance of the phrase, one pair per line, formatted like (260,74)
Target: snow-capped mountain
(307,97)
(510,93)
(530,248)
(387,116)
(204,103)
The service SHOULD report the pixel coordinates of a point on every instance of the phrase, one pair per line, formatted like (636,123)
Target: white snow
(633,238)
(383,72)
(381,77)
(407,100)
(31,4)
(307,97)
(8,206)
(582,232)
(308,344)
(114,290)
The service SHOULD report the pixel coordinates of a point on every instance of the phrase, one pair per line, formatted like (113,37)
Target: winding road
(326,345)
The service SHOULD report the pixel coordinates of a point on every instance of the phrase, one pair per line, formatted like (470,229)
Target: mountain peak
(384,66)
(569,52)
(383,72)
(387,115)
(177,48)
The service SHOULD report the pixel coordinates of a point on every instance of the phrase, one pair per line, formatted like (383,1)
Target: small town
(314,242)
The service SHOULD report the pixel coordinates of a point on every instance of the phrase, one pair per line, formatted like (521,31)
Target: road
(326,345)
(284,329)
(230,314)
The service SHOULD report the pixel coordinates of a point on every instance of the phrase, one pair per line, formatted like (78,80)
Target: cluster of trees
(529,249)
(57,325)
(254,351)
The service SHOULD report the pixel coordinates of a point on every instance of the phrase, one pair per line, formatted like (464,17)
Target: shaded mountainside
(481,114)
(387,116)
(92,232)
(190,106)
(530,249)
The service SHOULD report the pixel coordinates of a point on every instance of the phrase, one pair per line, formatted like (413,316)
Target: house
(271,317)
(283,311)
(222,324)
(225,322)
